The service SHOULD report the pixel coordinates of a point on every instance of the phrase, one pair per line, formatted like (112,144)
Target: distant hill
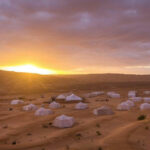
(12,82)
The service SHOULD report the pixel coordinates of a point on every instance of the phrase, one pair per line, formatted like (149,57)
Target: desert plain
(22,130)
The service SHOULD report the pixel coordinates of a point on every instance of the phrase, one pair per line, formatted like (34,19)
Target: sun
(29,68)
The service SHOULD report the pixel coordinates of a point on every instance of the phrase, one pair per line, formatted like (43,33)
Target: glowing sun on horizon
(29,68)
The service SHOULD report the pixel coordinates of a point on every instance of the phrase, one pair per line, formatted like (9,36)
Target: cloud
(66,34)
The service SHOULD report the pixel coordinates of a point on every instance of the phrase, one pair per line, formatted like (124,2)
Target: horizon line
(74,73)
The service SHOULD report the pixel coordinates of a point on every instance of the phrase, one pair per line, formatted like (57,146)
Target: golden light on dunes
(29,68)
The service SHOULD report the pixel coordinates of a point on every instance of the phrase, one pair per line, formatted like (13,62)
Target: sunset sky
(76,36)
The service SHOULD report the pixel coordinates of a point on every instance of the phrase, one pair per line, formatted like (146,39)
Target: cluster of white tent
(144,106)
(140,99)
(136,99)
(147,92)
(146,99)
(113,94)
(132,93)
(69,98)
(94,94)
(74,97)
(126,105)
(64,121)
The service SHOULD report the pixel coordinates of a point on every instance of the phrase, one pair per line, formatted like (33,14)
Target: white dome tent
(61,97)
(94,94)
(81,105)
(97,93)
(123,106)
(15,102)
(73,97)
(146,99)
(147,92)
(132,94)
(104,110)
(63,121)
(43,111)
(144,106)
(110,93)
(130,103)
(136,99)
(54,105)
(29,107)
(113,95)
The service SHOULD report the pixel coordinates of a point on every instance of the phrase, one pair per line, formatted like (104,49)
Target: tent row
(64,121)
(127,105)
(113,95)
(53,104)
(71,97)
(134,93)
(94,94)
(140,99)
(131,94)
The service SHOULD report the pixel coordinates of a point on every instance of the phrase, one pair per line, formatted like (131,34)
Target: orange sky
(76,36)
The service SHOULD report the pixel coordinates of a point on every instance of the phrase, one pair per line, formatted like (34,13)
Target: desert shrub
(45,126)
(141,117)
(98,133)
(53,98)
(29,134)
(98,125)
(10,109)
(14,143)
(79,135)
(100,148)
(50,123)
(5,126)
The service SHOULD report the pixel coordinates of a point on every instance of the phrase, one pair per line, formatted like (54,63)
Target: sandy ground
(20,130)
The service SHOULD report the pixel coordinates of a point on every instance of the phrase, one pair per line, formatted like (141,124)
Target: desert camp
(74,74)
